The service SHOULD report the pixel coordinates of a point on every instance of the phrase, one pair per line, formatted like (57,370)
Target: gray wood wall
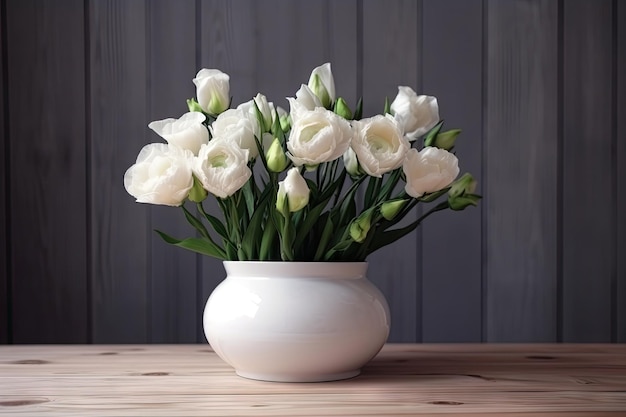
(538,86)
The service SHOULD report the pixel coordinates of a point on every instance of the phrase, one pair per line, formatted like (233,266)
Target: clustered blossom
(214,147)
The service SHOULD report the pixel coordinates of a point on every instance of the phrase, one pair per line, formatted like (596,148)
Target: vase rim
(295,269)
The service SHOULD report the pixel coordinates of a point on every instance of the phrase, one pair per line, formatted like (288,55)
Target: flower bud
(342,109)
(197,194)
(193,105)
(351,163)
(445,140)
(276,159)
(322,84)
(390,209)
(361,226)
(295,190)
(463,201)
(283,118)
(464,185)
(212,90)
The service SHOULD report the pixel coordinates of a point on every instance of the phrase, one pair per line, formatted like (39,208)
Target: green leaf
(199,245)
(358,113)
(429,139)
(327,233)
(250,237)
(373,187)
(217,225)
(267,241)
(387,109)
(312,217)
(196,223)
(427,198)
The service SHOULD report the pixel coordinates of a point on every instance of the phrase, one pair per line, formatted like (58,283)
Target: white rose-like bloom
(318,136)
(326,91)
(379,144)
(295,189)
(212,90)
(186,132)
(239,126)
(416,114)
(429,170)
(161,175)
(222,167)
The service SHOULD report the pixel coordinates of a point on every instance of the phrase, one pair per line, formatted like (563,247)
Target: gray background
(539,88)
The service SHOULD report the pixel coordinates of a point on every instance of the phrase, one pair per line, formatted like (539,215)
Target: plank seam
(148,106)
(614,172)
(419,244)
(484,336)
(560,169)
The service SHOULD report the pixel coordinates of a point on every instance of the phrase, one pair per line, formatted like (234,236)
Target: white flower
(429,170)
(416,114)
(187,132)
(295,189)
(161,175)
(212,90)
(266,109)
(322,84)
(222,167)
(318,136)
(239,126)
(379,144)
(306,98)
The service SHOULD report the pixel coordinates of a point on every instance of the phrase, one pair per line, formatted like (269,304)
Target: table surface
(404,379)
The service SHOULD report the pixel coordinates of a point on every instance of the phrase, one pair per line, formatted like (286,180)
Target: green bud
(351,163)
(342,109)
(390,209)
(463,201)
(193,105)
(464,185)
(445,140)
(317,86)
(293,192)
(276,159)
(197,194)
(361,226)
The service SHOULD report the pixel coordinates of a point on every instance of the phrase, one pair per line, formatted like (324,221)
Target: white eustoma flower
(162,174)
(186,132)
(240,126)
(306,98)
(322,84)
(429,170)
(416,114)
(212,90)
(266,108)
(318,136)
(379,144)
(295,189)
(222,167)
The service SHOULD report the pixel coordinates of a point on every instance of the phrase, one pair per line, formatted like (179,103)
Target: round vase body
(296,321)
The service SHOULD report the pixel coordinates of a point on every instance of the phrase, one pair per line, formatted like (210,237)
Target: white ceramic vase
(296,321)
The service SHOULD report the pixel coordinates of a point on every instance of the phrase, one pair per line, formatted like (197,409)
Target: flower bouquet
(319,183)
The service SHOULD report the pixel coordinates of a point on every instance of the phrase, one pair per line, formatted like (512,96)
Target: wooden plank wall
(538,86)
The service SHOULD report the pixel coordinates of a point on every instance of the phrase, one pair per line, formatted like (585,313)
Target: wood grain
(172,65)
(48,186)
(120,234)
(4,195)
(588,216)
(520,177)
(620,144)
(526,380)
(395,269)
(451,254)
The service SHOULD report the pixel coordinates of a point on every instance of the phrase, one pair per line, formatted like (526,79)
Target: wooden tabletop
(415,379)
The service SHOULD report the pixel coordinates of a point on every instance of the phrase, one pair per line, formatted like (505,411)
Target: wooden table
(190,380)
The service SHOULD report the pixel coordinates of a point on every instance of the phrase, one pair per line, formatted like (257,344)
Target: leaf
(309,221)
(429,139)
(358,113)
(250,238)
(199,245)
(267,241)
(324,239)
(196,223)
(217,225)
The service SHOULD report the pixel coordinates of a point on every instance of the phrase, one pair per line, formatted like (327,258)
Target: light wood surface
(404,379)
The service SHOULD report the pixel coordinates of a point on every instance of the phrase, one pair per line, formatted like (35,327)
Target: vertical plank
(451,262)
(620,125)
(4,194)
(588,244)
(172,46)
(520,178)
(271,48)
(47,153)
(120,234)
(394,269)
